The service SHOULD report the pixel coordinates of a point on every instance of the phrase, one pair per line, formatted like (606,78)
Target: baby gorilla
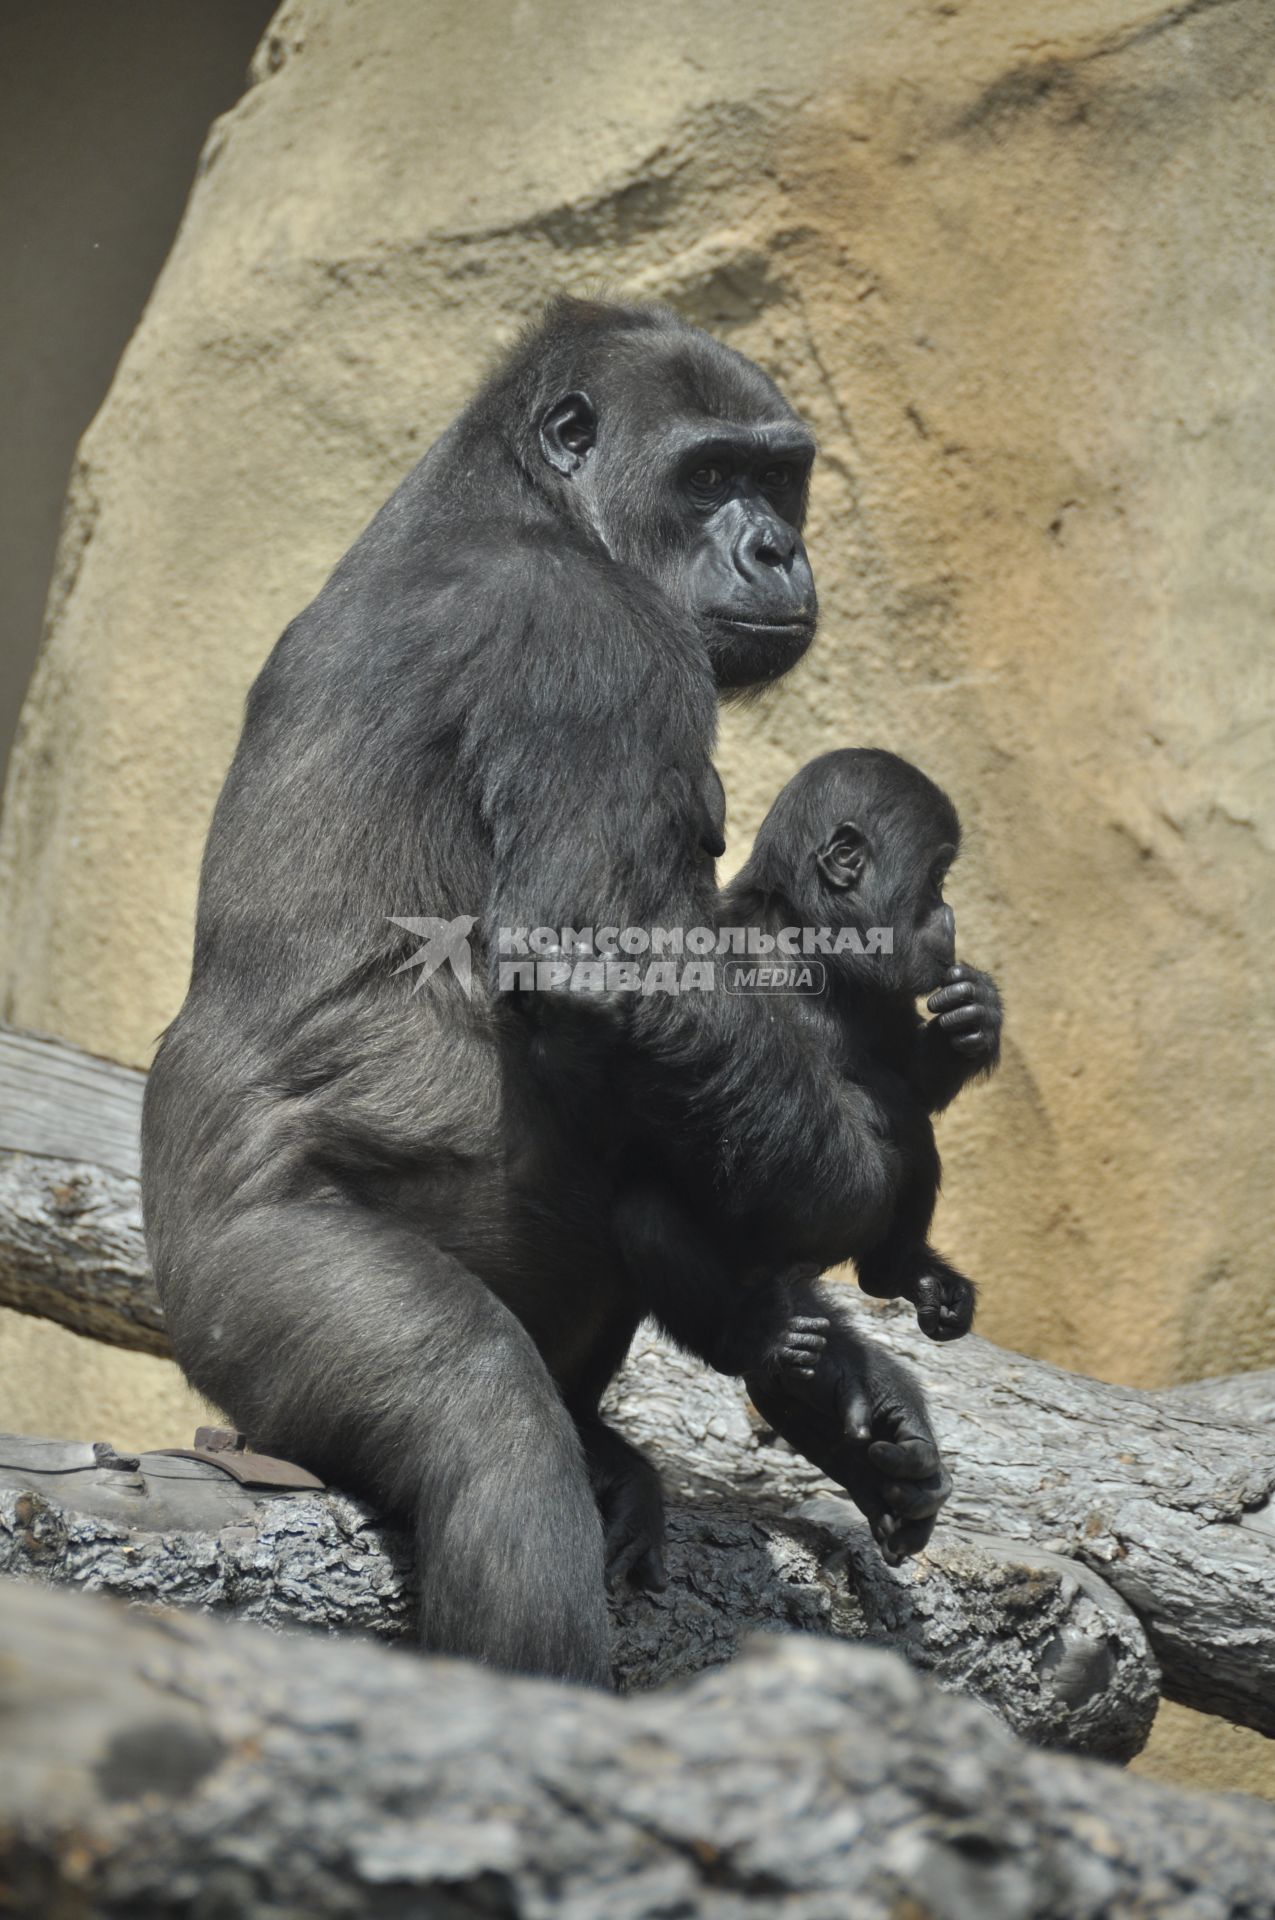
(859,843)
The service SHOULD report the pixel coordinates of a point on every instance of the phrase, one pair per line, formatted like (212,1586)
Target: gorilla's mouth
(801,624)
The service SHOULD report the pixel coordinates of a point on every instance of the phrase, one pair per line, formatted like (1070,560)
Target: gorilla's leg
(631,1501)
(353,1345)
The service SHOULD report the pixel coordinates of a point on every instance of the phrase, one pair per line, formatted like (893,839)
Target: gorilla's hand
(797,1351)
(871,1434)
(968,1016)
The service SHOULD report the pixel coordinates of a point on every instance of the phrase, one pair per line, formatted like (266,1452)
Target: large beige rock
(1014,262)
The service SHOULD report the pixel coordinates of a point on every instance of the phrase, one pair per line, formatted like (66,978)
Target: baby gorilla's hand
(796,1350)
(968,1014)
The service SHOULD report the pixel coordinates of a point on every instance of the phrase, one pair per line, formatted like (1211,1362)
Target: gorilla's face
(696,475)
(745,575)
(864,840)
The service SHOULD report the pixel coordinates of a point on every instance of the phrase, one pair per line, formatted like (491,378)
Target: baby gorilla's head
(861,839)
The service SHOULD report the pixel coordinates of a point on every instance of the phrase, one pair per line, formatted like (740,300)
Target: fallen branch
(71,1246)
(1050,1650)
(1168,1502)
(163,1764)
(1166,1497)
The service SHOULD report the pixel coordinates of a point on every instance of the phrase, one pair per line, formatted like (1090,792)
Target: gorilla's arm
(594,823)
(705,1294)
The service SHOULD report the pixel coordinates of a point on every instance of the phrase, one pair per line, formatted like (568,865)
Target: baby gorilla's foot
(944,1300)
(799,1349)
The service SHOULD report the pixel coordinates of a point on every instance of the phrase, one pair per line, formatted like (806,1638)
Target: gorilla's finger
(905,1541)
(969,1043)
(961,993)
(960,1018)
(912,1500)
(621,1564)
(905,1459)
(928,1300)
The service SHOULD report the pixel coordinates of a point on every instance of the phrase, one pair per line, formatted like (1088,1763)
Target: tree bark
(1168,1496)
(71,1246)
(1165,1497)
(71,1250)
(1047,1647)
(172,1765)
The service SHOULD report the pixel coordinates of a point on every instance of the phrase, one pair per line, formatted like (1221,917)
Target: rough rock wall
(1015,264)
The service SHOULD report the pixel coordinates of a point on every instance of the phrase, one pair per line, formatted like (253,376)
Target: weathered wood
(1170,1503)
(71,1250)
(1047,1647)
(70,1219)
(175,1765)
(1166,1495)
(1233,1396)
(59,1101)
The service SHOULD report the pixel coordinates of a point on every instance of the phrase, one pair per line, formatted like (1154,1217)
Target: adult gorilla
(380,1244)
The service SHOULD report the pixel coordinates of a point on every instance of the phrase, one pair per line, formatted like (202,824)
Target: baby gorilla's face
(929,943)
(930,950)
(885,879)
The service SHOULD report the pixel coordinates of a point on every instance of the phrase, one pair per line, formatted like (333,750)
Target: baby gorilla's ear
(843,857)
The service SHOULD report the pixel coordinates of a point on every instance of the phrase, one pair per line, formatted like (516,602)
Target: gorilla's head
(684,460)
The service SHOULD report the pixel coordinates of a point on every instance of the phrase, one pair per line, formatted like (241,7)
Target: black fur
(380,1245)
(859,840)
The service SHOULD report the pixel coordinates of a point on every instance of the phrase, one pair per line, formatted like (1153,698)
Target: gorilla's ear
(843,856)
(567,432)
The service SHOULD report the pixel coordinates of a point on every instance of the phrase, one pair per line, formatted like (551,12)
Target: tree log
(1050,1649)
(169,1764)
(71,1246)
(1233,1396)
(1166,1497)
(71,1250)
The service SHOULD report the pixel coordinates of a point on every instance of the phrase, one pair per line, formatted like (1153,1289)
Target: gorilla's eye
(777,479)
(708,479)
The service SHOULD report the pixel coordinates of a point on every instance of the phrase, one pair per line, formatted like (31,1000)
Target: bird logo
(446,944)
